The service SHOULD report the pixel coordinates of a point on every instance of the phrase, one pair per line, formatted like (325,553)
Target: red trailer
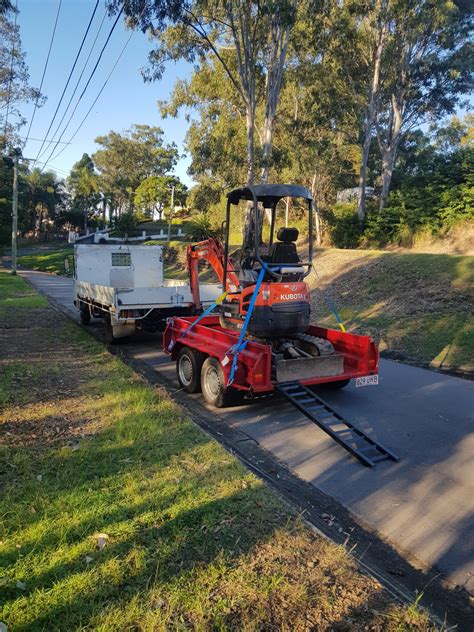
(257,370)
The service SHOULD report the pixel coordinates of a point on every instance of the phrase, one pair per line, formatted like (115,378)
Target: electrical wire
(87,84)
(44,72)
(53,136)
(97,97)
(70,75)
(40,140)
(10,79)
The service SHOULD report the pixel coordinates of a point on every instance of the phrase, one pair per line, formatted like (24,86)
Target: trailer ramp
(354,440)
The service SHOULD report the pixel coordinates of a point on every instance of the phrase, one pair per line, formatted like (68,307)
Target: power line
(50,142)
(44,72)
(63,171)
(40,140)
(87,84)
(10,79)
(97,97)
(70,75)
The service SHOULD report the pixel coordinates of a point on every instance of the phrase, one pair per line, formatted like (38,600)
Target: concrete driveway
(423,505)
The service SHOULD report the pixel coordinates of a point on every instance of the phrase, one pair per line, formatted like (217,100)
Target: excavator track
(323,346)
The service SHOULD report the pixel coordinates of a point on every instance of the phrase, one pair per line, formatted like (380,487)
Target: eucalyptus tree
(154,194)
(126,159)
(40,194)
(257,32)
(216,136)
(14,78)
(84,187)
(427,68)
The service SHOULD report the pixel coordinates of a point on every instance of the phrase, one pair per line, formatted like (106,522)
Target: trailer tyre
(85,313)
(188,367)
(213,384)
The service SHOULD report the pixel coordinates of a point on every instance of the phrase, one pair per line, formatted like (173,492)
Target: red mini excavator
(273,272)
(260,340)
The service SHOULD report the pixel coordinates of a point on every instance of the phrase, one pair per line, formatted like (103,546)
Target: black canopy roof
(269,193)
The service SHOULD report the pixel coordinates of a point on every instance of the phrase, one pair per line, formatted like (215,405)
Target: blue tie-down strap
(200,317)
(241,343)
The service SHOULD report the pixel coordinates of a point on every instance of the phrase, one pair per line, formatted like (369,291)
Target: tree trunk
(369,121)
(316,211)
(279,36)
(388,163)
(389,148)
(266,147)
(250,121)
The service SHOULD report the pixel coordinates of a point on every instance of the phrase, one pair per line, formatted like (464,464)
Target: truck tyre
(213,384)
(85,313)
(188,368)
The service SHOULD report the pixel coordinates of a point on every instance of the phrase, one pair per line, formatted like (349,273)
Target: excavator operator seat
(284,250)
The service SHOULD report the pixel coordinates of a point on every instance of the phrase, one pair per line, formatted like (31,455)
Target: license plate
(368,380)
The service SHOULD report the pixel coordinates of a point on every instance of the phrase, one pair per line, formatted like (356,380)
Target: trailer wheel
(213,384)
(188,367)
(85,313)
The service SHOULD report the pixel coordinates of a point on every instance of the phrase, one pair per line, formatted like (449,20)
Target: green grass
(16,294)
(193,541)
(47,262)
(419,305)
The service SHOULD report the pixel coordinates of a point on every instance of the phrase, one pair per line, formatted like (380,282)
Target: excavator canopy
(268,194)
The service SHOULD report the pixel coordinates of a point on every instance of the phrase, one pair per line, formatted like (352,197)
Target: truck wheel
(85,314)
(213,384)
(188,367)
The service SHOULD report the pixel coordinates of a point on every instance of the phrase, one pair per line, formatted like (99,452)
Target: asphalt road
(423,505)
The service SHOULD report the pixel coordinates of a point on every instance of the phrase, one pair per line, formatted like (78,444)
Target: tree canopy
(14,78)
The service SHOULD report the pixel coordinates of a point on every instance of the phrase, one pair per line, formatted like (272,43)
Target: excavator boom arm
(212,251)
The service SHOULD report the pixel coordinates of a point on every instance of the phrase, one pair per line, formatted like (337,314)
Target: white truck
(124,285)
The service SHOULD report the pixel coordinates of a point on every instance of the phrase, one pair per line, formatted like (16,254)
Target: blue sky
(126,98)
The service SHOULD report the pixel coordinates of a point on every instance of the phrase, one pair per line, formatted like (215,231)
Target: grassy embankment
(48,261)
(419,305)
(118,513)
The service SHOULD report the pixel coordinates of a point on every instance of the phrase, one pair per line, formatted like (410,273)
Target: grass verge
(419,305)
(119,514)
(47,261)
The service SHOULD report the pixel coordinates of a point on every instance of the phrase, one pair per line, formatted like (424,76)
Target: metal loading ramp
(367,450)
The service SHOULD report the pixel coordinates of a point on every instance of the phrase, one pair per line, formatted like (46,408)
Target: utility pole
(16,156)
(171,214)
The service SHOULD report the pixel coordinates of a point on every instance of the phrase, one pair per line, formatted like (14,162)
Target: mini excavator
(274,272)
(260,339)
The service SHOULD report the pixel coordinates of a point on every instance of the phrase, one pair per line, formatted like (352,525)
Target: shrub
(200,228)
(126,224)
(384,226)
(342,225)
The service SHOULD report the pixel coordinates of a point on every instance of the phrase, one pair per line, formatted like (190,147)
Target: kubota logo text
(293,297)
